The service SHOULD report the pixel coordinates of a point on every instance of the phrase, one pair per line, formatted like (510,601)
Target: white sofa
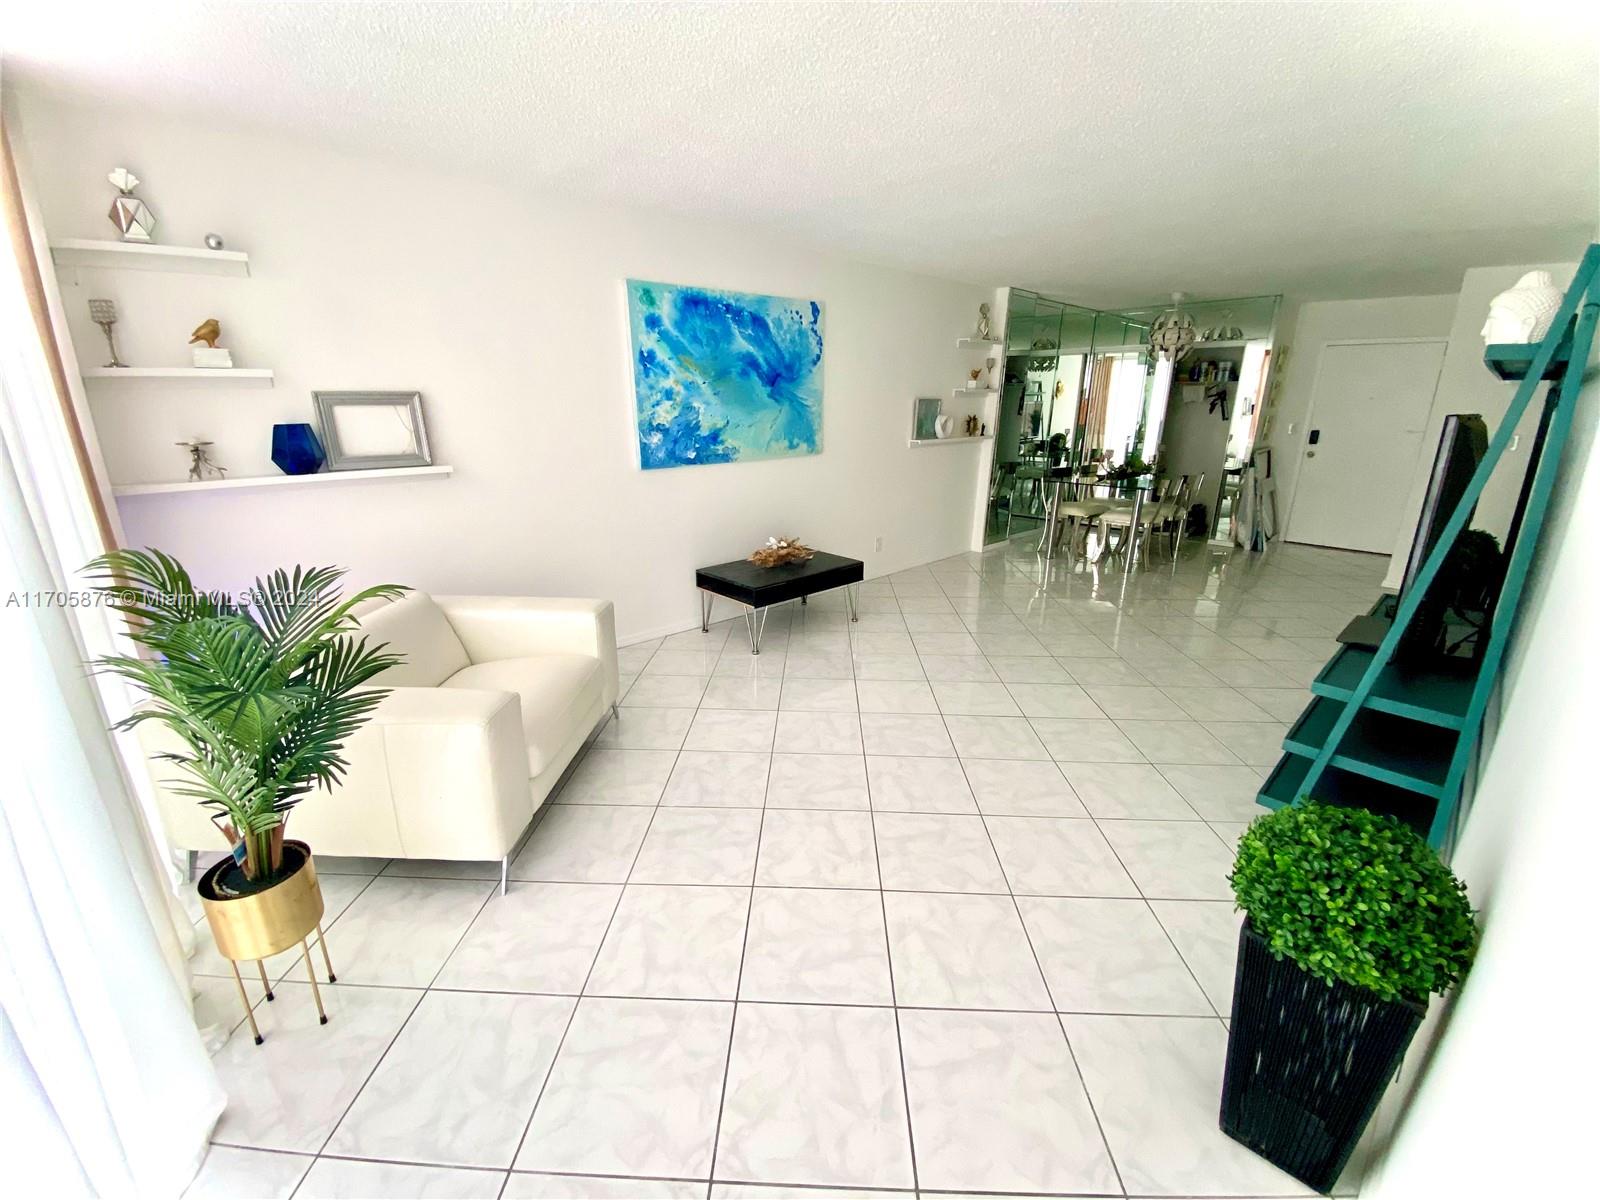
(496,696)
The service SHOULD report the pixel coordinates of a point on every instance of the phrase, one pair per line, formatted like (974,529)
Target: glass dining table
(1113,492)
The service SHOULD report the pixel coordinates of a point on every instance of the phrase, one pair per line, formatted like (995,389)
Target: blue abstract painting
(724,377)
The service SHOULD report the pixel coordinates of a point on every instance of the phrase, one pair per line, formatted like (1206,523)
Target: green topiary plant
(1355,896)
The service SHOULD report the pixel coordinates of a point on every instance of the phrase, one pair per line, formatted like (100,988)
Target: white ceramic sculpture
(131,215)
(944,426)
(1524,313)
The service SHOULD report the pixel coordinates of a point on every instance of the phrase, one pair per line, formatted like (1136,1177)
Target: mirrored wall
(1214,398)
(1048,343)
(1082,390)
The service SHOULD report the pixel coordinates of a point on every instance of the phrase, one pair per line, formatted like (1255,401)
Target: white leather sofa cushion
(417,628)
(559,695)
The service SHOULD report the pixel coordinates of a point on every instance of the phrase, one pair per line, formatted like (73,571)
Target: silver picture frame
(366,441)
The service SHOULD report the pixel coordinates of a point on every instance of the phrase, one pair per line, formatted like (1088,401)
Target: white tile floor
(935,903)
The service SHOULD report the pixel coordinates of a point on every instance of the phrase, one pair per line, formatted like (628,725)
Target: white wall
(1466,386)
(507,312)
(1505,1108)
(1313,327)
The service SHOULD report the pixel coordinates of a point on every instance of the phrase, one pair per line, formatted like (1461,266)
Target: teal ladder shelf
(1399,738)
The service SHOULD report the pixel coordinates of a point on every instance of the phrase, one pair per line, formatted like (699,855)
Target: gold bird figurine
(208,332)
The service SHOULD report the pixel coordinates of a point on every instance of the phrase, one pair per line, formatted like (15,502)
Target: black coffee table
(759,588)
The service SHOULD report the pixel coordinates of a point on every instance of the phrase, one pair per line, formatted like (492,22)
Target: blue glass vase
(296,450)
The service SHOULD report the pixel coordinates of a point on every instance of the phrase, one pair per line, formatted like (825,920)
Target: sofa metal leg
(616,713)
(505,866)
(191,861)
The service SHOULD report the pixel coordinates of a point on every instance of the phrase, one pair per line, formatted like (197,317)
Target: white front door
(1362,443)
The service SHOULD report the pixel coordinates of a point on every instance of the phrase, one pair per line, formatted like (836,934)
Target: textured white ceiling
(1106,152)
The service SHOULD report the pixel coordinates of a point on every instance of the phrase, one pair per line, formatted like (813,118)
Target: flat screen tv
(1462,444)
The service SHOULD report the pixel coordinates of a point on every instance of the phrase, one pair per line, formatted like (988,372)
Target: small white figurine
(1524,313)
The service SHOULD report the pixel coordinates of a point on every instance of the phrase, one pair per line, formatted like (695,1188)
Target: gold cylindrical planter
(259,925)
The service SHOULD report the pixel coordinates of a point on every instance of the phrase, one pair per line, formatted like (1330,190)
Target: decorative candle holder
(104,314)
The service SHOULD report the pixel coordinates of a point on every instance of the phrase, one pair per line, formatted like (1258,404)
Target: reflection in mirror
(1047,342)
(1214,403)
(1081,390)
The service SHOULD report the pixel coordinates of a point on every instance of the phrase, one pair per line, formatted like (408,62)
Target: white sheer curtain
(105,1086)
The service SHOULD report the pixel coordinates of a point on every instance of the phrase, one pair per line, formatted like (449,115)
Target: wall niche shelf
(209,374)
(139,256)
(918,443)
(264,481)
(978,344)
(983,393)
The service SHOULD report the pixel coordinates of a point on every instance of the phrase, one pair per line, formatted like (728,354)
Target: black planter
(1307,1062)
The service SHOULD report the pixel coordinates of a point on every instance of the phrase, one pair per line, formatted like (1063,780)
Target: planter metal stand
(257,926)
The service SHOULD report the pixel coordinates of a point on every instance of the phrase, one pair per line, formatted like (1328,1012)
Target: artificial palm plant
(261,692)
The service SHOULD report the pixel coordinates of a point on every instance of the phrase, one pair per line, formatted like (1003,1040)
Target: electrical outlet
(878,543)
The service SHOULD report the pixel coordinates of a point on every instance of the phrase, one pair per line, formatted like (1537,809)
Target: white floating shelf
(211,374)
(918,443)
(141,256)
(965,391)
(263,481)
(977,343)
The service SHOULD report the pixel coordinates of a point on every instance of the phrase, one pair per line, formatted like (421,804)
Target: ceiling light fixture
(1172,333)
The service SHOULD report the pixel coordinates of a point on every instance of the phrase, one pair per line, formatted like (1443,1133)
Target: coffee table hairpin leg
(755,622)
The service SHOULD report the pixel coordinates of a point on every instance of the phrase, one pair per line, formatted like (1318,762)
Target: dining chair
(1077,512)
(1180,528)
(1150,516)
(1174,513)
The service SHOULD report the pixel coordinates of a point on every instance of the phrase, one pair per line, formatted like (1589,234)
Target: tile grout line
(945,1008)
(738,986)
(421,998)
(894,994)
(598,949)
(1145,899)
(1043,979)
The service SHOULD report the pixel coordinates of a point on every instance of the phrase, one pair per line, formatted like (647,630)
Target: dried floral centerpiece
(780,550)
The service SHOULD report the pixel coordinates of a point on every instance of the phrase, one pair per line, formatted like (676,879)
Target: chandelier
(1172,333)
